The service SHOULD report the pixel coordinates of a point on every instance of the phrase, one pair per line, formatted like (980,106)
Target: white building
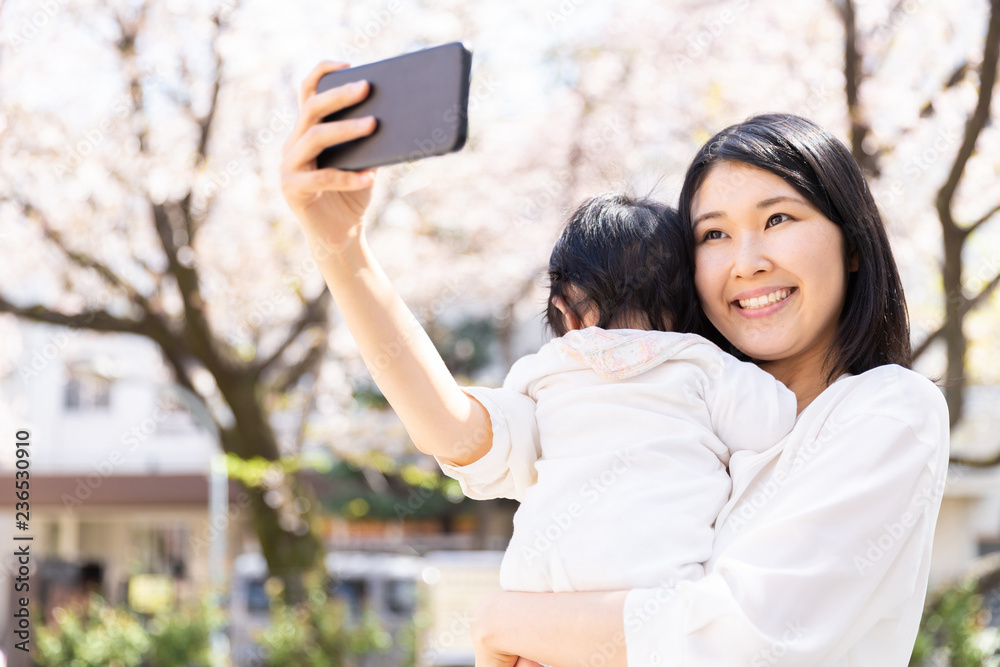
(119,470)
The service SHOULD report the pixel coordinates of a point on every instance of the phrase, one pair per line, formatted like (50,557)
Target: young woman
(822,553)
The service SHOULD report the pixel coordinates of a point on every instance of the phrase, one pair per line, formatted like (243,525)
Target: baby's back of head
(622,262)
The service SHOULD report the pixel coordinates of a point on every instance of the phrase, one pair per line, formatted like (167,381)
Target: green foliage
(465,348)
(102,636)
(318,632)
(413,493)
(105,636)
(256,471)
(954,633)
(183,638)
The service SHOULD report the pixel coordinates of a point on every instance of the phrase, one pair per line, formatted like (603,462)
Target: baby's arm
(441,419)
(749,408)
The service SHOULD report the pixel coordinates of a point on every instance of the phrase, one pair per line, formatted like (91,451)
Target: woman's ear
(854,260)
(571,321)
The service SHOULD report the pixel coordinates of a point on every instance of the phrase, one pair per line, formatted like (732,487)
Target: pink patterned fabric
(617,354)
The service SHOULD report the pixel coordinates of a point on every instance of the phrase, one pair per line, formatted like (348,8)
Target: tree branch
(85,261)
(956,78)
(926,343)
(977,121)
(126,45)
(968,306)
(201,341)
(205,122)
(308,362)
(316,311)
(983,294)
(854,75)
(95,320)
(971,228)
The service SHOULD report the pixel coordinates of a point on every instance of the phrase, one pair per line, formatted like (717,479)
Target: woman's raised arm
(330,204)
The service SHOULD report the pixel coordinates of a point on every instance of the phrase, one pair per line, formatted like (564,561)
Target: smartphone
(419,100)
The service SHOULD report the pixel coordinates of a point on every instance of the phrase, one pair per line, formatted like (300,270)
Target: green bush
(954,631)
(318,632)
(104,636)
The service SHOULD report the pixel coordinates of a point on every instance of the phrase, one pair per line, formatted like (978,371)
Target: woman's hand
(330,203)
(487,654)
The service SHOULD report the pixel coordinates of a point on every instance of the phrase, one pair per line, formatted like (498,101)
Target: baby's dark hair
(629,260)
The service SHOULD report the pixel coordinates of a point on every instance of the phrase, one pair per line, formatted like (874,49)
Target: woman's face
(769,267)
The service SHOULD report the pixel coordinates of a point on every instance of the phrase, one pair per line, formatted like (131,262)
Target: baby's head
(621,263)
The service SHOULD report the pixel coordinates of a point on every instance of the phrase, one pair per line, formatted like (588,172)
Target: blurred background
(214,477)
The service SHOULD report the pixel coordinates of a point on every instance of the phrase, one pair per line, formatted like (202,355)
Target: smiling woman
(771,273)
(778,205)
(822,554)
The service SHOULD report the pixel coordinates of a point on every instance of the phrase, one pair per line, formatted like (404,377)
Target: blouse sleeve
(749,409)
(508,468)
(836,541)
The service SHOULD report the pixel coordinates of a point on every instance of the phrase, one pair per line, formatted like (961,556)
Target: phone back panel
(420,101)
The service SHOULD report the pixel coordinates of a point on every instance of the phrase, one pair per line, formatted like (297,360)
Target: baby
(620,461)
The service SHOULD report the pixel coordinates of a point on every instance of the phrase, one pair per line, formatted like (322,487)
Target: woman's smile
(763,301)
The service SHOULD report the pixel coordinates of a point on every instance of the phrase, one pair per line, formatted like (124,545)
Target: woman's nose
(750,257)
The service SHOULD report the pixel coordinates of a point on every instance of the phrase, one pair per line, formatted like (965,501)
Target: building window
(87,391)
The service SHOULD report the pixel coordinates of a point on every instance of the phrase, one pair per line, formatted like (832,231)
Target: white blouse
(823,551)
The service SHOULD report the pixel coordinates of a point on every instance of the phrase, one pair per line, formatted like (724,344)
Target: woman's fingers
(323,104)
(300,154)
(305,184)
(308,88)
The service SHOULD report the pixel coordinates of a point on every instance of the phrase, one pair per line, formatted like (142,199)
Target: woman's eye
(711,235)
(776,218)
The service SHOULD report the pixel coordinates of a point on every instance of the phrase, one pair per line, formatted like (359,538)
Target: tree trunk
(291,555)
(955,305)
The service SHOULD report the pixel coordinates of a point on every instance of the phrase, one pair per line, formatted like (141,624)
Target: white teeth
(765,300)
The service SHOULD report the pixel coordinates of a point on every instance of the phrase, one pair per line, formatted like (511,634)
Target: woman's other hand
(330,203)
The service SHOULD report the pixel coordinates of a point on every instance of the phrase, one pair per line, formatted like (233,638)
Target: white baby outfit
(616,443)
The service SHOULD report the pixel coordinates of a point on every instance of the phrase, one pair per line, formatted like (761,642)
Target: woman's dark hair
(873,328)
(628,260)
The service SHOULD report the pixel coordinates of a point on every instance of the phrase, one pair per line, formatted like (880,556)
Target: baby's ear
(558,302)
(571,321)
